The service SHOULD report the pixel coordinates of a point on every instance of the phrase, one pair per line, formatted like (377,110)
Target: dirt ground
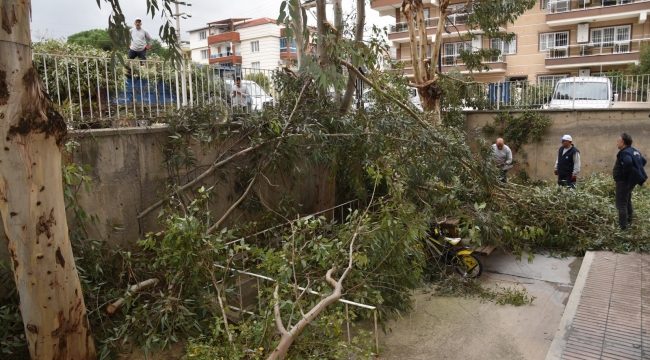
(457,328)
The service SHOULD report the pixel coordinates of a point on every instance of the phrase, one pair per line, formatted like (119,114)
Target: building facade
(554,39)
(244,43)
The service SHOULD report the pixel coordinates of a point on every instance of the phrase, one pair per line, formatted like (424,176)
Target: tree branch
(378,89)
(112,308)
(276,311)
(205,174)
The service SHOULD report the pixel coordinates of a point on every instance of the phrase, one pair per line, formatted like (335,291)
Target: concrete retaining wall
(594,134)
(129,176)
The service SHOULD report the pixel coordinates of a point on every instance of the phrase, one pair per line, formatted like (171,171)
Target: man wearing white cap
(140,41)
(567,164)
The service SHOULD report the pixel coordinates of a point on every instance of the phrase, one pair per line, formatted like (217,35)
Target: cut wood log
(134,289)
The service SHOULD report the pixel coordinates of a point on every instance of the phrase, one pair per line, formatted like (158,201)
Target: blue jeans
(142,55)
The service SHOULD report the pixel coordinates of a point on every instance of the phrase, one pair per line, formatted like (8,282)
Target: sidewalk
(467,329)
(607,316)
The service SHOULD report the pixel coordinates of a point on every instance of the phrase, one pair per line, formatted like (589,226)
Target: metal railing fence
(90,90)
(627,91)
(560,6)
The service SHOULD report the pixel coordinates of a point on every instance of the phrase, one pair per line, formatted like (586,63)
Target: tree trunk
(298,30)
(31,201)
(352,78)
(321,18)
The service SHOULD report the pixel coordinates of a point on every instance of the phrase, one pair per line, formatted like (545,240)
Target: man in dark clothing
(567,164)
(628,173)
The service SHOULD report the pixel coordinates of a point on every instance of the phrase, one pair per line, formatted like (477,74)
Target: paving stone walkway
(612,317)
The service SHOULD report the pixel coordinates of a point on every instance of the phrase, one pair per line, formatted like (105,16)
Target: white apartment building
(241,42)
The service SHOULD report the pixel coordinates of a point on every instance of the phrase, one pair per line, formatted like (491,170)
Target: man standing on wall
(140,41)
(628,173)
(567,164)
(502,157)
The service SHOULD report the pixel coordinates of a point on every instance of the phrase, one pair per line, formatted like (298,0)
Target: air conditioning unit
(584,72)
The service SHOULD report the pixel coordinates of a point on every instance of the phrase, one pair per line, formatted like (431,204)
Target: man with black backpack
(628,172)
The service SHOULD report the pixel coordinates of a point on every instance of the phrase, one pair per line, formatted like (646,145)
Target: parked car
(258,99)
(582,93)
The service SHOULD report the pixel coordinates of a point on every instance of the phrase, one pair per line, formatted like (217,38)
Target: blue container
(499,92)
(141,91)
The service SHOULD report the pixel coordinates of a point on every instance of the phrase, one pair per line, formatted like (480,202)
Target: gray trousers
(624,203)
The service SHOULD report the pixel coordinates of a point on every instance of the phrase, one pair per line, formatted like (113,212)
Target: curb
(566,324)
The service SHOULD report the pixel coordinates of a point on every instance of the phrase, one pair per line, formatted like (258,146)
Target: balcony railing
(560,6)
(403,26)
(224,54)
(589,49)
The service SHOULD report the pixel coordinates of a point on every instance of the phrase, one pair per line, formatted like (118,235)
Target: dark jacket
(565,162)
(629,166)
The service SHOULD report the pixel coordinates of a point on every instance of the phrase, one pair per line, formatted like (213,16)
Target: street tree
(32,203)
(487,16)
(97,38)
(31,189)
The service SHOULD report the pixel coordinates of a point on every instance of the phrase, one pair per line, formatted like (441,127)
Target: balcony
(230,36)
(455,26)
(570,12)
(586,55)
(497,65)
(226,57)
(387,7)
(449,63)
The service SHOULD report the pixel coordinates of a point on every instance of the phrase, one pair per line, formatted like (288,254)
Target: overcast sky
(61,18)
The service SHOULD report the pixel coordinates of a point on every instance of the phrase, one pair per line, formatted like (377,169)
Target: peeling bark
(32,133)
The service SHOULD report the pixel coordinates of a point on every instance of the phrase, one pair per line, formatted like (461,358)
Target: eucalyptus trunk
(424,70)
(321,28)
(352,77)
(299,32)
(31,201)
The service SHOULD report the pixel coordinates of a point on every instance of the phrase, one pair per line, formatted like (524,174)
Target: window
(611,36)
(550,79)
(452,52)
(460,13)
(202,35)
(507,48)
(283,45)
(204,54)
(551,41)
(255,65)
(255,46)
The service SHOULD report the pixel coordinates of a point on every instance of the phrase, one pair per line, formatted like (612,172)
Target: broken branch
(112,308)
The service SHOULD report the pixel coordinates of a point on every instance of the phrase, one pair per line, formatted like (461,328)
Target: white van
(582,93)
(257,99)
